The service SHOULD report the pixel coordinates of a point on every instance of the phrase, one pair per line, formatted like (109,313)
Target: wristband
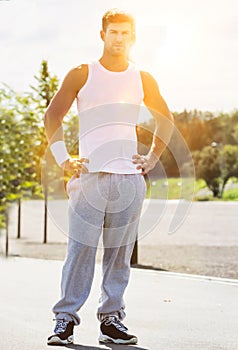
(59,151)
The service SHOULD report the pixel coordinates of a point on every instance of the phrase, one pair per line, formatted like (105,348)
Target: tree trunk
(216,192)
(223,185)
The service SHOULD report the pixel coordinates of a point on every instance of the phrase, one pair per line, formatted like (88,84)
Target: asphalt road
(166,311)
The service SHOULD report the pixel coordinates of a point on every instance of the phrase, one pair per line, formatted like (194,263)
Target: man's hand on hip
(75,166)
(145,162)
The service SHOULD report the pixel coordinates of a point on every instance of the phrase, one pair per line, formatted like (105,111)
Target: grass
(170,188)
(176,188)
(231,195)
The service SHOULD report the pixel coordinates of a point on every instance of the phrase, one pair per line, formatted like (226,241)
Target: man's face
(118,38)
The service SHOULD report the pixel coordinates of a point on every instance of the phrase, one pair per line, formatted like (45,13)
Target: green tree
(43,92)
(229,164)
(41,95)
(232,128)
(9,174)
(17,140)
(216,165)
(47,85)
(207,165)
(71,134)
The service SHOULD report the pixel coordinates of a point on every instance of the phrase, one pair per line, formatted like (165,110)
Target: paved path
(167,311)
(201,223)
(206,241)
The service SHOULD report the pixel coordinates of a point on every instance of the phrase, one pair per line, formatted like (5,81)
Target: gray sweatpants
(108,204)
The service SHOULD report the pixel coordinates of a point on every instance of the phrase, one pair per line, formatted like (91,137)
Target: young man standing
(107,189)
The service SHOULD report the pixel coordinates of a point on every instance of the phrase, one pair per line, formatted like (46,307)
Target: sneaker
(63,333)
(113,331)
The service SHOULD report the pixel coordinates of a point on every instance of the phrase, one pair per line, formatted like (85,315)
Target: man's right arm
(54,116)
(62,101)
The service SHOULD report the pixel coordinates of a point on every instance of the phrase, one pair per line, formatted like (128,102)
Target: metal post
(45,207)
(45,215)
(7,233)
(134,257)
(19,219)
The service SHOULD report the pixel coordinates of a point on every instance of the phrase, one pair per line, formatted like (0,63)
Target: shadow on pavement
(105,347)
(124,347)
(147,267)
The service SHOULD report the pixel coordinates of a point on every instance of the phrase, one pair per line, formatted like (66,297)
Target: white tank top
(108,106)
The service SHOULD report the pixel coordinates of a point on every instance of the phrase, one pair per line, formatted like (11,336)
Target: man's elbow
(46,117)
(50,122)
(50,119)
(168,119)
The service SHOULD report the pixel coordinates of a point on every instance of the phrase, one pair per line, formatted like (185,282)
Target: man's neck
(114,64)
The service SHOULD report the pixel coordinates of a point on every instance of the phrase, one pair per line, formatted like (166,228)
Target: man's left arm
(164,124)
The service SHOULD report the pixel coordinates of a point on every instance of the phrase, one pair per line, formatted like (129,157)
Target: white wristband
(59,151)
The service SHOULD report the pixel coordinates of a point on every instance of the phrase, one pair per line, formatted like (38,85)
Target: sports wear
(63,333)
(112,330)
(100,204)
(108,106)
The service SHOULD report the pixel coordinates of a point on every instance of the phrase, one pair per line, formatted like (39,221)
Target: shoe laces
(113,320)
(61,325)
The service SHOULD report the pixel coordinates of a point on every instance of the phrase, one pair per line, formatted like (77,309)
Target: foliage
(42,94)
(197,130)
(22,140)
(47,86)
(207,164)
(231,195)
(71,133)
(216,165)
(229,163)
(18,137)
(169,188)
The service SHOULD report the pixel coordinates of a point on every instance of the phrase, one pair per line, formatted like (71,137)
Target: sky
(189,46)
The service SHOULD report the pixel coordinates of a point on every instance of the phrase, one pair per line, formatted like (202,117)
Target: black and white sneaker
(63,333)
(113,331)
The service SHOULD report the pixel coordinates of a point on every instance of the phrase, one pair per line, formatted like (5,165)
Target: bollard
(45,215)
(7,234)
(134,257)
(19,219)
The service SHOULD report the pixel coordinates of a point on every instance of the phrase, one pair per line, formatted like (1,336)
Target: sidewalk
(167,311)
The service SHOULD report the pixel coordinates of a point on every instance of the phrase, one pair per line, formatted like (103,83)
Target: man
(107,189)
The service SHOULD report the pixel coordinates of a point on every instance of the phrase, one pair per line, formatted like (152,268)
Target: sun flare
(176,43)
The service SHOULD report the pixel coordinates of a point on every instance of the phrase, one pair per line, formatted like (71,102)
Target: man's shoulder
(148,80)
(146,75)
(78,76)
(150,85)
(79,71)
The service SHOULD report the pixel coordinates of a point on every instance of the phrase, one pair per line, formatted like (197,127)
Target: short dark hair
(117,16)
